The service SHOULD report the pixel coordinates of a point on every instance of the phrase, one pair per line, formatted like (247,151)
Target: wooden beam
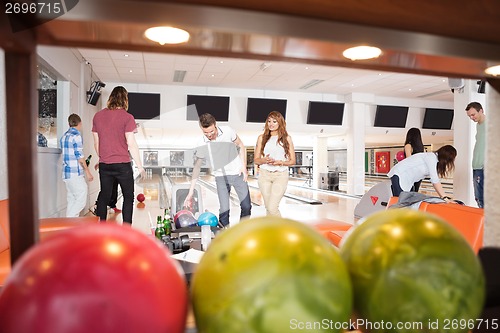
(21,115)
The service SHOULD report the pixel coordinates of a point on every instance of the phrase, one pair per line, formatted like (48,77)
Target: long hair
(446,160)
(414,138)
(118,99)
(282,133)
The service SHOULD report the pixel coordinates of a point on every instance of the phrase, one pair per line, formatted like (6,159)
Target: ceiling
(434,40)
(161,68)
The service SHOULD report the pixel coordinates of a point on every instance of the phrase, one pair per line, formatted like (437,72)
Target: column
(320,159)
(357,105)
(492,165)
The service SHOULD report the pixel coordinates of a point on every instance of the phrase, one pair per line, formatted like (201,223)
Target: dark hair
(446,160)
(74,120)
(282,133)
(207,120)
(414,138)
(118,99)
(475,105)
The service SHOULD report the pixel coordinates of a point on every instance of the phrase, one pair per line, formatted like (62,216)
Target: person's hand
(96,166)
(244,172)
(269,160)
(189,198)
(142,172)
(89,176)
(448,199)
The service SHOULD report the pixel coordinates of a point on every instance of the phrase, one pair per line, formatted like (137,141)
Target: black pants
(123,174)
(396,188)
(114,196)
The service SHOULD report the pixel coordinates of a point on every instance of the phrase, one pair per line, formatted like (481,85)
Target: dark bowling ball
(181,212)
(185,220)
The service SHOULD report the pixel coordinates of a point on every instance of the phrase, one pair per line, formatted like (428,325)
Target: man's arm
(194,180)
(134,152)
(96,143)
(243,156)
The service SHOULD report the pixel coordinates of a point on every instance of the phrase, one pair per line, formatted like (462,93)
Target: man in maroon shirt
(114,141)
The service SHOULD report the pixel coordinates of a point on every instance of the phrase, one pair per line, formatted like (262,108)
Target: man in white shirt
(224,151)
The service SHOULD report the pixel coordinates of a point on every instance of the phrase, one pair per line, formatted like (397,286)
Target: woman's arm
(440,191)
(408,150)
(260,159)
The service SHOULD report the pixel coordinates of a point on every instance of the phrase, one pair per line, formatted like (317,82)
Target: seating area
(48,227)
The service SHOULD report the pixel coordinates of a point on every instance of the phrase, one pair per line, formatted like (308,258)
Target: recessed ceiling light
(493,70)
(213,75)
(167,35)
(221,61)
(125,55)
(130,71)
(362,52)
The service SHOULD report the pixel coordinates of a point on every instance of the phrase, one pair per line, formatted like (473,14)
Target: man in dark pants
(220,148)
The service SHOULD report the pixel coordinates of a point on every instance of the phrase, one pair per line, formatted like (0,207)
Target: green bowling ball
(271,275)
(411,268)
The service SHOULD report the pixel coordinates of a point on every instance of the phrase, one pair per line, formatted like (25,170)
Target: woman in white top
(274,153)
(419,166)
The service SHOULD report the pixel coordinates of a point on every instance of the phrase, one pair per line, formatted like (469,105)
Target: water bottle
(87,161)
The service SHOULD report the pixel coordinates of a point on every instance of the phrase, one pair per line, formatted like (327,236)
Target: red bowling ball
(141,197)
(96,278)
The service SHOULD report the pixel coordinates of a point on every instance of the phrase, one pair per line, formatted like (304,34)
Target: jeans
(478,179)
(77,190)
(395,187)
(123,173)
(273,185)
(224,184)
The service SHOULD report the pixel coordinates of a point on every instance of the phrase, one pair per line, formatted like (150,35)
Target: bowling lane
(333,206)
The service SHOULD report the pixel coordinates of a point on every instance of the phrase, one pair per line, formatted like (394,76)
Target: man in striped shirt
(74,167)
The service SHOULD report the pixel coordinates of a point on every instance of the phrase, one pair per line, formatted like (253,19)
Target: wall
(73,80)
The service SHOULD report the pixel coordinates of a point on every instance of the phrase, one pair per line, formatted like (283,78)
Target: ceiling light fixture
(167,35)
(362,52)
(493,70)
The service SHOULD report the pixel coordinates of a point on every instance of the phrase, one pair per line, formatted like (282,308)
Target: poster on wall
(150,158)
(383,161)
(176,158)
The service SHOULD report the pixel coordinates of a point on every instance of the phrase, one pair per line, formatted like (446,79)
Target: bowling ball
(141,197)
(185,220)
(208,218)
(95,278)
(269,274)
(181,212)
(141,205)
(407,266)
(400,155)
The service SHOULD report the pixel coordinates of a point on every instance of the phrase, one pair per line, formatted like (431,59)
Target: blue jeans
(478,180)
(124,175)
(224,184)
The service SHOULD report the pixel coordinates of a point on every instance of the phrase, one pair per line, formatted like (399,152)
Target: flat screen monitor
(438,118)
(325,113)
(144,105)
(391,116)
(217,106)
(259,108)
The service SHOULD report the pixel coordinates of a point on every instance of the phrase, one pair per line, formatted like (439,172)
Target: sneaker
(116,210)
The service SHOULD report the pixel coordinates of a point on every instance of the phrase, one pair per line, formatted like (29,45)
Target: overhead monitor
(259,108)
(144,105)
(438,118)
(325,113)
(391,116)
(217,106)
